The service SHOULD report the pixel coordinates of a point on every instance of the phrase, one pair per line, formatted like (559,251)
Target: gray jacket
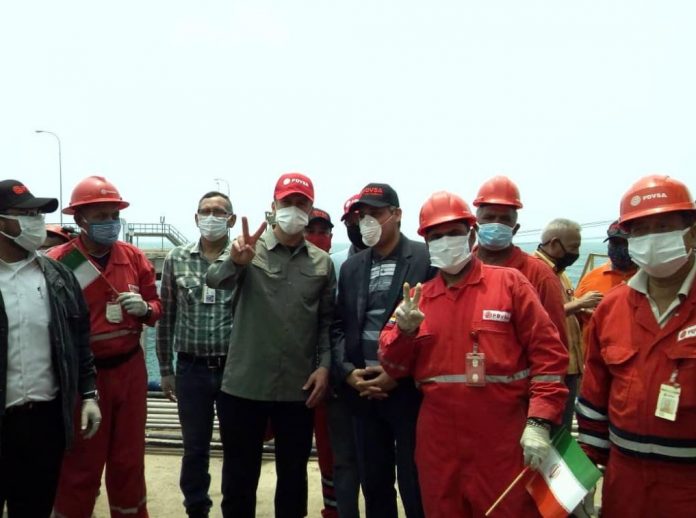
(69,334)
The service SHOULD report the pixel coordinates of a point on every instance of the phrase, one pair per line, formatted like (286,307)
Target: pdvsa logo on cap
(288,181)
(635,201)
(373,191)
(19,189)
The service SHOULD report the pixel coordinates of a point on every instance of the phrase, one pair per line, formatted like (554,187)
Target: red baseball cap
(294,183)
(348,205)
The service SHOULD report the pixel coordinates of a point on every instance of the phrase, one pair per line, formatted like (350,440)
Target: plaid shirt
(188,324)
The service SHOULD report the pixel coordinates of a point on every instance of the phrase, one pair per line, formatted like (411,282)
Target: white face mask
(450,253)
(291,220)
(212,227)
(32,232)
(370,230)
(660,255)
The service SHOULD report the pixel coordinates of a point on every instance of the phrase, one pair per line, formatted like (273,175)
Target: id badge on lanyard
(475,366)
(208,295)
(668,398)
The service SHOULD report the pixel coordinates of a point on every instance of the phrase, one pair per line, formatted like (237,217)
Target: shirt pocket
(271,276)
(190,289)
(621,362)
(683,356)
(312,280)
(498,342)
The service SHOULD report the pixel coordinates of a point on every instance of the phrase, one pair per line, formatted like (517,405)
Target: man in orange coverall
(119,286)
(637,405)
(490,364)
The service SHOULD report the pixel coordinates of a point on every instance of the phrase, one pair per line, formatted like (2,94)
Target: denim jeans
(385,435)
(197,392)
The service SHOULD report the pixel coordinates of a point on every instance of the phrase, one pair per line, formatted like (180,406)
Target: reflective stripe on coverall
(467,447)
(120,440)
(651,462)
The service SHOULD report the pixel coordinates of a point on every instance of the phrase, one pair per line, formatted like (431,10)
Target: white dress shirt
(30,375)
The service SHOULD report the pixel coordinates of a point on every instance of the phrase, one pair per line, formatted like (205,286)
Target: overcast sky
(573,100)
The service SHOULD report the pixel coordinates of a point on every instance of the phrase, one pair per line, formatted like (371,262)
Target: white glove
(586,508)
(90,418)
(133,303)
(535,444)
(168,387)
(408,316)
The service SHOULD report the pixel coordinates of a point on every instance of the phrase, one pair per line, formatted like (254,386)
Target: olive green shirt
(281,321)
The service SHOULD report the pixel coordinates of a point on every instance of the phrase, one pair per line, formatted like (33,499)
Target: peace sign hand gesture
(244,246)
(408,316)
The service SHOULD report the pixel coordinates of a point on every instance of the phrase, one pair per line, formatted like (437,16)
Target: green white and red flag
(83,269)
(563,479)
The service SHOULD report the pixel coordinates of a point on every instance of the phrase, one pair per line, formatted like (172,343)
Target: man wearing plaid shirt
(196,323)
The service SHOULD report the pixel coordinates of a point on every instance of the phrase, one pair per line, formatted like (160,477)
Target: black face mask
(355,236)
(620,260)
(566,260)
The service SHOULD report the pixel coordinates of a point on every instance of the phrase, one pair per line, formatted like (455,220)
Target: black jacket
(412,266)
(73,364)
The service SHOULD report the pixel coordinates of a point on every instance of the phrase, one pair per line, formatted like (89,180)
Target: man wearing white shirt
(45,360)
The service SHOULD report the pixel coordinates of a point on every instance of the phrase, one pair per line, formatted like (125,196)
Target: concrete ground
(164,497)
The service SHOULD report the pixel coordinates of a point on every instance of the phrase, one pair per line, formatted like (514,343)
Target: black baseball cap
(378,195)
(615,230)
(15,195)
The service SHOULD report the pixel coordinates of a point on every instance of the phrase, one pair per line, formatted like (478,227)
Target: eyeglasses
(218,213)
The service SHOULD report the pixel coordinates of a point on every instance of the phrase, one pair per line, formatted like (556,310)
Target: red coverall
(546,284)
(467,443)
(122,387)
(651,462)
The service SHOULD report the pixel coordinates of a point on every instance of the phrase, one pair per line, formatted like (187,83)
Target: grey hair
(558,226)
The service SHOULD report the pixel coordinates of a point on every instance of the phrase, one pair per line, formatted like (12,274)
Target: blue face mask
(494,236)
(104,232)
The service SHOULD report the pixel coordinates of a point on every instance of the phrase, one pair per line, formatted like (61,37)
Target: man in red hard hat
(490,364)
(497,203)
(119,286)
(637,404)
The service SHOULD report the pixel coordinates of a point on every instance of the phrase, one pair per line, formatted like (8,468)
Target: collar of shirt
(195,249)
(271,241)
(18,265)
(473,276)
(639,282)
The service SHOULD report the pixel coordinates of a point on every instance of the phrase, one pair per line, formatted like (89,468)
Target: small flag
(563,479)
(85,272)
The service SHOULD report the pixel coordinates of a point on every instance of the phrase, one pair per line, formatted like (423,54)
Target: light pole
(227,184)
(60,173)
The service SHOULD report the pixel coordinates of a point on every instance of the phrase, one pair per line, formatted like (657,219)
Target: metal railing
(164,230)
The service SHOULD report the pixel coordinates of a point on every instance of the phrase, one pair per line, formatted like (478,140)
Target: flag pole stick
(509,488)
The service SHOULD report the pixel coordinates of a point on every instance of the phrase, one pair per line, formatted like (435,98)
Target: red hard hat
(443,207)
(94,189)
(499,190)
(655,194)
(58,231)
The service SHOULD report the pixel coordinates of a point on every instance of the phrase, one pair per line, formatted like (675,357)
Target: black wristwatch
(148,313)
(539,422)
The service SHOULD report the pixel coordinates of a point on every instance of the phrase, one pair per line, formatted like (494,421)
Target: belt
(113,334)
(28,407)
(212,362)
(114,361)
